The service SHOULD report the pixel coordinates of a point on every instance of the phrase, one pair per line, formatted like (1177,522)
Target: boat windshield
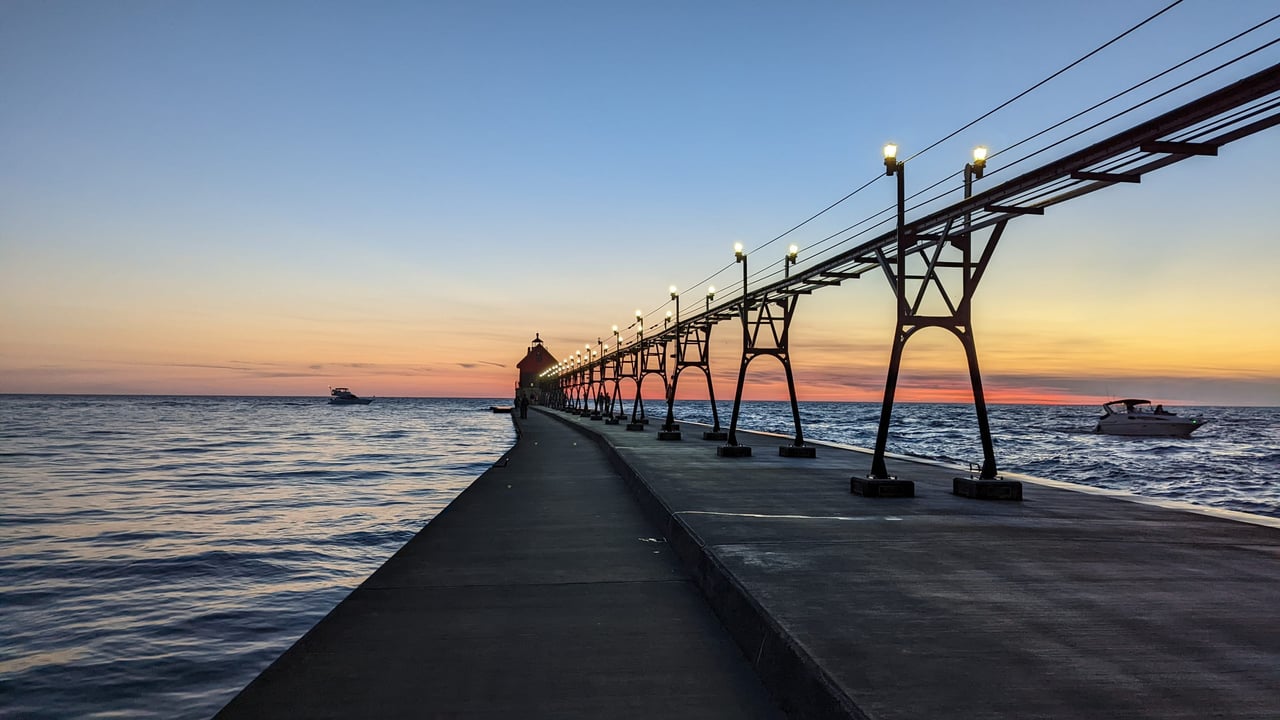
(1130,406)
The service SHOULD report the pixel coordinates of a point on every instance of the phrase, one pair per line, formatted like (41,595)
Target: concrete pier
(541,591)
(1062,605)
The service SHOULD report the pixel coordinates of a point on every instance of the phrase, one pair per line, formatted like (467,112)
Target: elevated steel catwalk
(1197,128)
(924,257)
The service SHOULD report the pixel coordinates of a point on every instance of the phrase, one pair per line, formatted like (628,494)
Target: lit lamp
(639,324)
(792,253)
(711,295)
(669,429)
(979,160)
(891,164)
(666,321)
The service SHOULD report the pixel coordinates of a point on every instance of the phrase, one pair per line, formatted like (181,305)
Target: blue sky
(307,192)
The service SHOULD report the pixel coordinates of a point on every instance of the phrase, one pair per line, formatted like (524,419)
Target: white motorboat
(1137,417)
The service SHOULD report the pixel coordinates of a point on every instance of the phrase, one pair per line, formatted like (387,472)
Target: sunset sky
(270,198)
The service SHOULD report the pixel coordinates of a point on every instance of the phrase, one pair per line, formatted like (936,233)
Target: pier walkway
(539,592)
(1062,605)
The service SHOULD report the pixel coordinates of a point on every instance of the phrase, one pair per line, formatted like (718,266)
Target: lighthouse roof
(537,358)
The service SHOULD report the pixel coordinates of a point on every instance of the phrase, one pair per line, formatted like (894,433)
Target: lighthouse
(536,361)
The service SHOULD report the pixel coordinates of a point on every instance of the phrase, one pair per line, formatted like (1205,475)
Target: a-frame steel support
(628,367)
(693,350)
(944,269)
(766,330)
(652,361)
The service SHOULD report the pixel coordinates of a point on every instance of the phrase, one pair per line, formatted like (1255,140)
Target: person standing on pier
(524,405)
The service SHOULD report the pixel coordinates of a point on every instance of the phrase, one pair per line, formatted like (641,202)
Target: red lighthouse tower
(536,361)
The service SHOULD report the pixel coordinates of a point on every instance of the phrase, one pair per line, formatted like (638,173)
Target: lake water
(156,553)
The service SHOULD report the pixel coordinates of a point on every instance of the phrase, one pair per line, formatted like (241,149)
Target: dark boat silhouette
(343,396)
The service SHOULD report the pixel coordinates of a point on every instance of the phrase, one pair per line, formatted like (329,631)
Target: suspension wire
(1148,101)
(1149,80)
(1076,116)
(968,125)
(768,269)
(982,117)
(1022,94)
(712,276)
(862,187)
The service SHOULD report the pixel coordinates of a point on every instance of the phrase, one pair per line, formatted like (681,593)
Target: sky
(271,198)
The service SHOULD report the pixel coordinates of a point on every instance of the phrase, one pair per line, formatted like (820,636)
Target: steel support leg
(878,469)
(797,447)
(980,406)
(733,449)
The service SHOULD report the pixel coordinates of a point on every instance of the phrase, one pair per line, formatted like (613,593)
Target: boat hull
(357,401)
(1149,426)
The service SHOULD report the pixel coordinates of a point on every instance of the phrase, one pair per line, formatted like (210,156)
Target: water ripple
(159,552)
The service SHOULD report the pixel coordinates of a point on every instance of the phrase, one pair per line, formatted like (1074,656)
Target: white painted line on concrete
(781,517)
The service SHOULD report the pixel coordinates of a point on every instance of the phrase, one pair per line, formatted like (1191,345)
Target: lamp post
(603,388)
(617,380)
(638,419)
(670,431)
(792,253)
(740,256)
(589,398)
(893,167)
(675,295)
(597,362)
(715,432)
(973,171)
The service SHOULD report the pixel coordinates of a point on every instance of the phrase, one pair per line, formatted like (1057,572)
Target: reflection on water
(157,553)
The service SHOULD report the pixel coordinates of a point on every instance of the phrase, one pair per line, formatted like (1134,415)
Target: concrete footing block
(881,487)
(635,426)
(715,435)
(733,451)
(669,435)
(986,489)
(797,451)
